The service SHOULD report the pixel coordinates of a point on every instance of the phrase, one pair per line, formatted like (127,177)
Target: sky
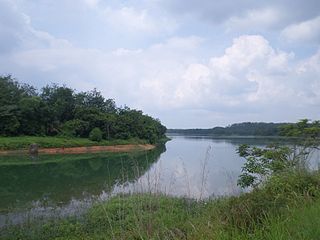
(192,63)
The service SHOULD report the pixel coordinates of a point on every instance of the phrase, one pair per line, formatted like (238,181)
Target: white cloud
(91,3)
(250,77)
(303,31)
(257,19)
(249,71)
(131,19)
(17,33)
(166,76)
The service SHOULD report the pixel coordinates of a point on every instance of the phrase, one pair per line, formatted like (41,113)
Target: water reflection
(201,166)
(236,140)
(192,166)
(72,182)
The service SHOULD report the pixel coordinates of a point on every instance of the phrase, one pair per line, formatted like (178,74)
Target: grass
(23,142)
(23,159)
(298,223)
(287,206)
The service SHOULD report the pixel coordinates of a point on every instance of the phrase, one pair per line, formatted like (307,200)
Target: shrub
(75,128)
(95,135)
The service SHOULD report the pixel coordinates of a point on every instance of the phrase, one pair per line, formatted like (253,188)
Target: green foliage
(306,133)
(261,163)
(264,162)
(95,135)
(59,110)
(288,188)
(75,128)
(60,101)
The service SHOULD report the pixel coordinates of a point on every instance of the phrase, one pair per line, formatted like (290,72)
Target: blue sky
(196,63)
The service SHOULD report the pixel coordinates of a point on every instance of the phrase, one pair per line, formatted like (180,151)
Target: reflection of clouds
(192,173)
(40,209)
(193,168)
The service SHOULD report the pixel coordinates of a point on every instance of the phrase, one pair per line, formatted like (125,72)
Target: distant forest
(237,129)
(60,110)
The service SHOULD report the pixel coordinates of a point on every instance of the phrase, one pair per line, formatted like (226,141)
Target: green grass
(23,142)
(23,159)
(286,207)
(298,223)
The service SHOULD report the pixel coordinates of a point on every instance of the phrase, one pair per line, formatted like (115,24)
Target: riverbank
(23,142)
(287,206)
(89,149)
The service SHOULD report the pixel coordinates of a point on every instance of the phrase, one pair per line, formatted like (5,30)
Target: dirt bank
(91,149)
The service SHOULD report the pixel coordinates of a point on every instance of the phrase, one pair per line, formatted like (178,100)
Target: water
(197,167)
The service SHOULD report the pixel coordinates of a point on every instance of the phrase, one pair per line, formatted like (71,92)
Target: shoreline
(85,149)
(264,213)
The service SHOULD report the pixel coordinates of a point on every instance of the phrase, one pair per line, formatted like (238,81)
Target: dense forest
(237,129)
(61,111)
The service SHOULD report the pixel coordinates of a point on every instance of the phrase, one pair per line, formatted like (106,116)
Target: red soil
(91,149)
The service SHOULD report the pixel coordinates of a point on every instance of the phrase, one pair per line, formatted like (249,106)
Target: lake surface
(191,166)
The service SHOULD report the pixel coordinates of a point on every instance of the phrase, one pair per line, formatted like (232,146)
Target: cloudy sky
(192,63)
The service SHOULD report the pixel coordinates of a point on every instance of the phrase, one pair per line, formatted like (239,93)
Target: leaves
(264,162)
(59,110)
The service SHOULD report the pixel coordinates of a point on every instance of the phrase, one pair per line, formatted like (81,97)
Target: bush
(280,192)
(75,128)
(95,135)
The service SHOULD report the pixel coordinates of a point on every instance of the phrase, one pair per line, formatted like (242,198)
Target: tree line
(237,129)
(60,110)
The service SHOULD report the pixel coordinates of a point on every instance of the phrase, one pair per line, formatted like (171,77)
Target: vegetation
(95,135)
(237,129)
(23,142)
(262,163)
(61,111)
(285,205)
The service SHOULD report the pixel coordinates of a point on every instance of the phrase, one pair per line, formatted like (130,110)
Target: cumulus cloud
(17,33)
(171,78)
(250,79)
(91,3)
(256,19)
(247,15)
(304,31)
(12,25)
(132,18)
(248,72)
(166,76)
(136,20)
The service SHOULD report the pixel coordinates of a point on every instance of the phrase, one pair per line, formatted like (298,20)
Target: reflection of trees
(71,179)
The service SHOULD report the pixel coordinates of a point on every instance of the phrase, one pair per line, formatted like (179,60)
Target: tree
(60,101)
(94,99)
(75,128)
(264,162)
(95,135)
(59,110)
(30,116)
(11,93)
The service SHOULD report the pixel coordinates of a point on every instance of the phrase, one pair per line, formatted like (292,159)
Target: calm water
(197,167)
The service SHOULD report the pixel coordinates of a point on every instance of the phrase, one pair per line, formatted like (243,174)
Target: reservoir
(197,167)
